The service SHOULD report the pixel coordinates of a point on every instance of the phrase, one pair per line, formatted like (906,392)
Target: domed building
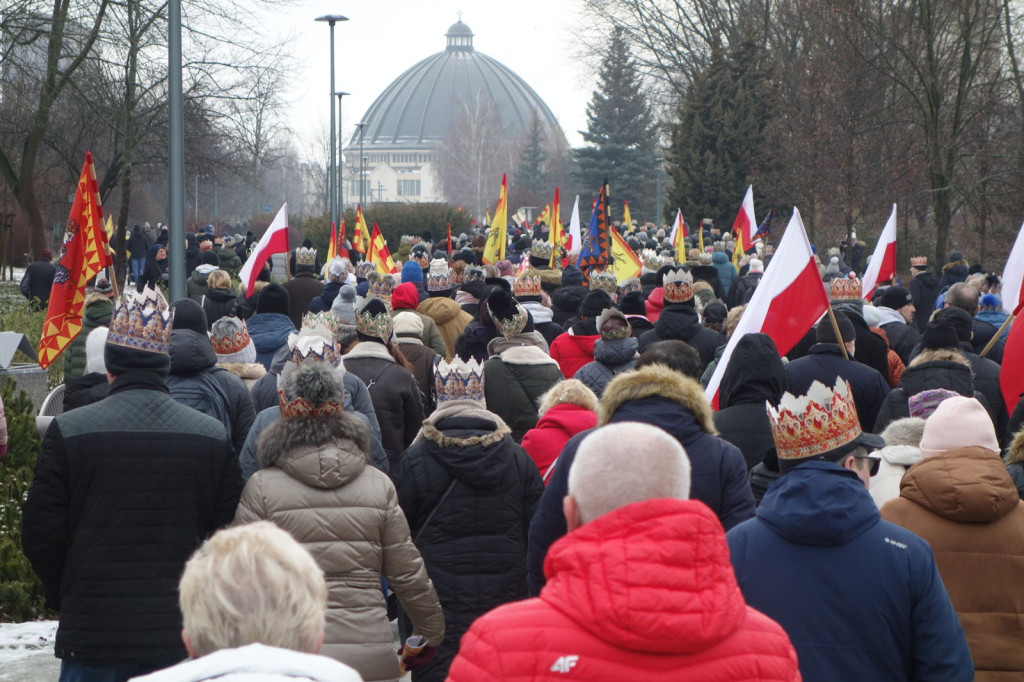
(411,118)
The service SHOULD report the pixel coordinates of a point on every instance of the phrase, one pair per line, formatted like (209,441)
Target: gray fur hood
(321,452)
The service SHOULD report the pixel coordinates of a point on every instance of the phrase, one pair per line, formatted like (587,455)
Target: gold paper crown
(364,269)
(305,256)
(324,319)
(630,285)
(845,289)
(678,286)
(473,274)
(313,347)
(142,321)
(833,251)
(381,286)
(814,424)
(603,280)
(510,326)
(652,261)
(527,285)
(459,380)
(541,250)
(439,276)
(919,262)
(405,239)
(718,246)
(379,326)
(300,407)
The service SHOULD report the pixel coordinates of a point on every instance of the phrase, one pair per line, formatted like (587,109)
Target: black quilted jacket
(124,491)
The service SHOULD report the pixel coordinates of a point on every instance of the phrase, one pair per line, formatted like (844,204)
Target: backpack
(204,393)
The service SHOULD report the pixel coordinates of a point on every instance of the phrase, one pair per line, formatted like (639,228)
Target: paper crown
(623,331)
(527,285)
(378,325)
(541,250)
(323,319)
(381,286)
(312,347)
(405,239)
(300,407)
(235,342)
(844,289)
(473,274)
(678,286)
(652,261)
(833,251)
(630,285)
(718,246)
(508,316)
(364,269)
(919,262)
(439,276)
(603,280)
(305,256)
(142,321)
(459,380)
(812,425)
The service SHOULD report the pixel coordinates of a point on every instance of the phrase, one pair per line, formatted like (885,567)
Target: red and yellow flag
(556,236)
(360,235)
(332,247)
(545,215)
(342,250)
(497,239)
(737,250)
(627,220)
(378,253)
(82,255)
(625,262)
(449,240)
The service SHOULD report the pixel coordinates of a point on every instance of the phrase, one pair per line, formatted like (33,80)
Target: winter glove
(412,662)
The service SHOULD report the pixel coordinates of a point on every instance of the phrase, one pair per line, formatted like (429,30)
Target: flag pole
(835,328)
(995,337)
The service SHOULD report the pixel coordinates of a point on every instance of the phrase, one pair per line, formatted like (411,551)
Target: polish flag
(883,260)
(746,223)
(274,240)
(1013,275)
(575,240)
(1011,374)
(786,303)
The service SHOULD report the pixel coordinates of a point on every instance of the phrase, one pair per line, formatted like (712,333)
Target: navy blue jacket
(269,331)
(860,598)
(323,302)
(824,362)
(718,475)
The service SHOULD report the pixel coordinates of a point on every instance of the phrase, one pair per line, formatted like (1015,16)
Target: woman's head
(571,392)
(219,279)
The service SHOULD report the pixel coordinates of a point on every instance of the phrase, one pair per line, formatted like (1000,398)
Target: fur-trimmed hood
(322,452)
(461,408)
(244,370)
(657,381)
(369,349)
(469,442)
(948,267)
(528,348)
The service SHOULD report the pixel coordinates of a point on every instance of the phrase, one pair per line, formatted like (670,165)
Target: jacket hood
(570,418)
(755,373)
(269,330)
(220,295)
(678,321)
(953,376)
(967,485)
(471,443)
(405,296)
(902,455)
(322,452)
(538,311)
(657,385)
(655,304)
(719,257)
(818,503)
(618,577)
(202,271)
(441,310)
(929,279)
(957,268)
(616,352)
(191,352)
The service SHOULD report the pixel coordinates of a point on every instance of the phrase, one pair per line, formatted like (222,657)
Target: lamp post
(362,163)
(176,152)
(332,19)
(341,163)
(658,213)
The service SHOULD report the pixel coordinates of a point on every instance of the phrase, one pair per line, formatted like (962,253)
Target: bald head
(962,295)
(623,463)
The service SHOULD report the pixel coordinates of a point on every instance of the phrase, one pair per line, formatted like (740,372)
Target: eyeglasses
(874,463)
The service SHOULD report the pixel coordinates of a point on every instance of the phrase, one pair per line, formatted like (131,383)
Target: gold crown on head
(652,261)
(459,380)
(305,256)
(379,326)
(527,285)
(603,280)
(630,285)
(323,319)
(541,250)
(821,421)
(381,286)
(919,262)
(236,342)
(142,321)
(844,289)
(300,407)
(312,347)
(439,276)
(678,286)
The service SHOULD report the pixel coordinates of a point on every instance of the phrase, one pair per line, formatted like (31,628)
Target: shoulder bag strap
(433,511)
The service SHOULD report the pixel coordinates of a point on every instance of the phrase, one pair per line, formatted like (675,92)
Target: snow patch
(21,640)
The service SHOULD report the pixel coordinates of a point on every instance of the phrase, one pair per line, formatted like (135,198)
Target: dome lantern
(460,37)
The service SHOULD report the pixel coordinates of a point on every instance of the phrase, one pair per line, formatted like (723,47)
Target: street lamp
(362,162)
(341,163)
(332,19)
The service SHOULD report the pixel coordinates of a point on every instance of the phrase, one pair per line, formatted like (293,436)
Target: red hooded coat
(545,441)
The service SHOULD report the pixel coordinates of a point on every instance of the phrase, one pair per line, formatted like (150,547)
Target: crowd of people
(515,466)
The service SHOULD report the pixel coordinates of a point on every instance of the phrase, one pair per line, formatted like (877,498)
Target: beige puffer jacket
(315,484)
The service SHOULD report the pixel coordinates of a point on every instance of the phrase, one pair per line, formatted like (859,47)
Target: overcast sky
(383,38)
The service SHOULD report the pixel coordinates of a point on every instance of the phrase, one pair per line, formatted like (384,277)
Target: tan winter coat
(317,486)
(964,503)
(450,318)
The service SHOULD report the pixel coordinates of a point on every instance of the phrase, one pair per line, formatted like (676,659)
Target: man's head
(252,584)
(826,333)
(962,295)
(623,463)
(46,255)
(898,299)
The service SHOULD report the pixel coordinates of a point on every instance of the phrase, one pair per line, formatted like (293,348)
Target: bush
(21,593)
(16,315)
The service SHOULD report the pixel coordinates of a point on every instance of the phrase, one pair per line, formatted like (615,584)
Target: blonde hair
(1016,451)
(250,584)
(568,391)
(219,279)
(940,354)
(732,319)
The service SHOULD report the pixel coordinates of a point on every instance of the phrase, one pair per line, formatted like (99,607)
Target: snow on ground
(21,640)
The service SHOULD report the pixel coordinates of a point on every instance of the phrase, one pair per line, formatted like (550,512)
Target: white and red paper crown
(142,321)
(459,380)
(845,289)
(816,423)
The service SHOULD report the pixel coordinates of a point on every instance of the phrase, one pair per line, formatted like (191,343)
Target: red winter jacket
(645,592)
(655,303)
(572,352)
(545,441)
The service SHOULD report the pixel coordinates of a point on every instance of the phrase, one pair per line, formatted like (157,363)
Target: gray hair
(627,462)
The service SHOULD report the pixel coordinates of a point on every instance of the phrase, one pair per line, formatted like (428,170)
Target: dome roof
(419,107)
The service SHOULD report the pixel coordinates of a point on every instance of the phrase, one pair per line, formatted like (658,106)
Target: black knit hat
(189,315)
(572,276)
(594,302)
(209,258)
(825,334)
(961,321)
(272,299)
(940,333)
(633,304)
(894,297)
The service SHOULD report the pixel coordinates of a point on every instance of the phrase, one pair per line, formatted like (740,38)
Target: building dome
(418,108)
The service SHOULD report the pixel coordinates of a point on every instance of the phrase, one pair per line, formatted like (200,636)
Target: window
(408,188)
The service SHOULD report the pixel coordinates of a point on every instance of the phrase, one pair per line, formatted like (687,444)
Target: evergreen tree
(621,135)
(716,144)
(531,176)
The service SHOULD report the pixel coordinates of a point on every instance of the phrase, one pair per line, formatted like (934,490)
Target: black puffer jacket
(986,382)
(85,390)
(925,289)
(755,374)
(218,303)
(926,376)
(191,355)
(124,492)
(475,544)
(680,321)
